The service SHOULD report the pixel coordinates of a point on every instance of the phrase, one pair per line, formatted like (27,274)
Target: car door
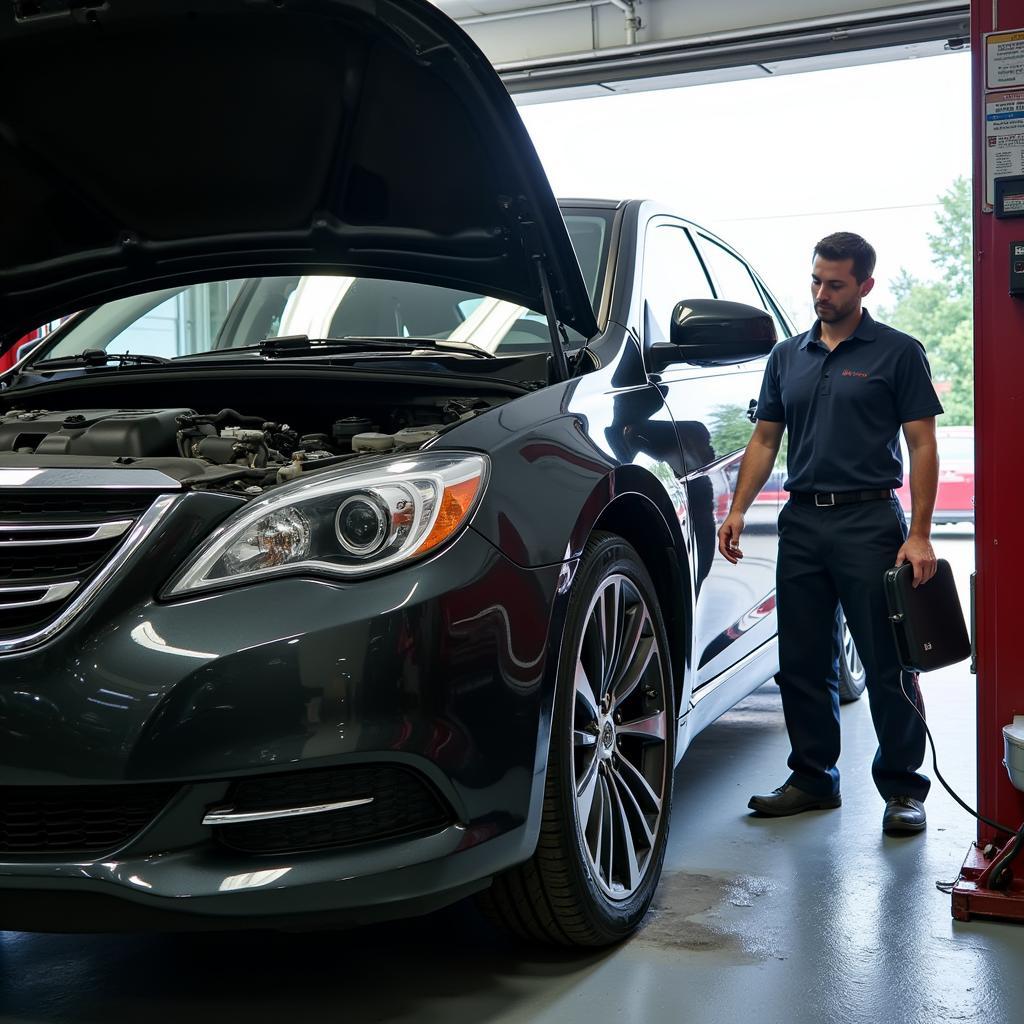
(711,407)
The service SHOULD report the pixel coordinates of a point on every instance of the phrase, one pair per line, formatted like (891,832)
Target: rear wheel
(608,792)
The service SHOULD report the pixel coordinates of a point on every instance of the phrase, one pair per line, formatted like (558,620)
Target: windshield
(225,315)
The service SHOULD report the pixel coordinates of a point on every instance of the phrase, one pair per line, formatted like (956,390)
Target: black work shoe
(788,799)
(903,815)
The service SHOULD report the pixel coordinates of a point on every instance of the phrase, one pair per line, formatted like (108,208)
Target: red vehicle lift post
(982,890)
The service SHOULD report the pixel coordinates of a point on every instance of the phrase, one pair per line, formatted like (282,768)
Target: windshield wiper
(300,344)
(98,357)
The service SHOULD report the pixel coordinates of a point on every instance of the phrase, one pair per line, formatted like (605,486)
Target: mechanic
(843,390)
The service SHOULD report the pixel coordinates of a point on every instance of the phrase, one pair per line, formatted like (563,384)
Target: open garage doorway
(773,164)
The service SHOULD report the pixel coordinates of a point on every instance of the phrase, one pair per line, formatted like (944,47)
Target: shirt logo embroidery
(855,373)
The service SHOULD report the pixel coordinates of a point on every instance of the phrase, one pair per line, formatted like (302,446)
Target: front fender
(631,501)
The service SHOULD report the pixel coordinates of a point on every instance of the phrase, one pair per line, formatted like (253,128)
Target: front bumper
(442,668)
(202,888)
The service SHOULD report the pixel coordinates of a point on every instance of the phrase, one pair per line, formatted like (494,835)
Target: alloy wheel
(620,726)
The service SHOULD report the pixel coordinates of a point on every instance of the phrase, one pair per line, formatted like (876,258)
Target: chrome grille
(51,544)
(61,506)
(61,533)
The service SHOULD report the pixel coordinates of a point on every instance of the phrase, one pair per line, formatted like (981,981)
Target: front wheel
(608,791)
(851,669)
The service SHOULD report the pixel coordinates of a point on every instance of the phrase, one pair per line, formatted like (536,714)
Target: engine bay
(226,450)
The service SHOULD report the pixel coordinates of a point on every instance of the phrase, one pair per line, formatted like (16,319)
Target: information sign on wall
(1004,60)
(1004,139)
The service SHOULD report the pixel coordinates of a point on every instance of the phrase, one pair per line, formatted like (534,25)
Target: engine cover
(115,432)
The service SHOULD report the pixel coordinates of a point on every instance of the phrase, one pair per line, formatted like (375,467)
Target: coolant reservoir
(373,442)
(413,437)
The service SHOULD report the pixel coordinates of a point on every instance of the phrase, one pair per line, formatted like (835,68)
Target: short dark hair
(844,245)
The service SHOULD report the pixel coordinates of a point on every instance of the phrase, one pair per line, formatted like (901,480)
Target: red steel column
(999,461)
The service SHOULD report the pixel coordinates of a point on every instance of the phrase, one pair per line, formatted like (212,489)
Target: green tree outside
(940,313)
(730,429)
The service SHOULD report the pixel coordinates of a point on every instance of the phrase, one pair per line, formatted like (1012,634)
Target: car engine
(226,450)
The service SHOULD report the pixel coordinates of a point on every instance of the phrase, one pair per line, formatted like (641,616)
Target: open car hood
(151,143)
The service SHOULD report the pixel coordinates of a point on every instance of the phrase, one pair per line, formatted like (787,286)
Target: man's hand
(729,537)
(919,553)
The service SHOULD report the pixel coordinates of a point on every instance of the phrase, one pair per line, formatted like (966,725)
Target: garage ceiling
(558,49)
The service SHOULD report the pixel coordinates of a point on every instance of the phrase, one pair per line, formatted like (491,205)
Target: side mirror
(713,332)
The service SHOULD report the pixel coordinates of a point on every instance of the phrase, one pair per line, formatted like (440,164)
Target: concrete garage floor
(817,918)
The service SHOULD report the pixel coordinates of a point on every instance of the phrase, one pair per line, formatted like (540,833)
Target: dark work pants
(826,556)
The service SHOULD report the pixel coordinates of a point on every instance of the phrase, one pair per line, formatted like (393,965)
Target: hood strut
(554,327)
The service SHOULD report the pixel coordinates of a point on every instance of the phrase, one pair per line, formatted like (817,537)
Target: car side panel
(564,456)
(558,458)
(735,604)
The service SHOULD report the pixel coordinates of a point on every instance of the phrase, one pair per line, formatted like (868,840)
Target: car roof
(594,204)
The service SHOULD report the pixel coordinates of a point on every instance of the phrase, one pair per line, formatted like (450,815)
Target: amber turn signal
(456,502)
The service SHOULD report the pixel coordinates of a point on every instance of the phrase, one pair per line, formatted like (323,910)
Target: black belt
(827,499)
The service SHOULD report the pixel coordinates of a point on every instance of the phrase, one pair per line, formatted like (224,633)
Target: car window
(589,236)
(782,327)
(733,280)
(168,323)
(672,272)
(467,306)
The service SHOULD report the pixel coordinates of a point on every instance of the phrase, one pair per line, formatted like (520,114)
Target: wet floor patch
(711,913)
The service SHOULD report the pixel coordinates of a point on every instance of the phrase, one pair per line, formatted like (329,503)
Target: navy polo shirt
(843,409)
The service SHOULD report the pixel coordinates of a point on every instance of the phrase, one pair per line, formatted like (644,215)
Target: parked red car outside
(21,347)
(8,359)
(955,500)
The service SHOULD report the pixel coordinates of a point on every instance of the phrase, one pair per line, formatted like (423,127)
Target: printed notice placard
(1004,139)
(1014,203)
(1004,60)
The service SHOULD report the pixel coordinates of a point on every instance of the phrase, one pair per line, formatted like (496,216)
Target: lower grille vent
(404,805)
(76,819)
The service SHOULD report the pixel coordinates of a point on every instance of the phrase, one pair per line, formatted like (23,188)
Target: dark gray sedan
(357,536)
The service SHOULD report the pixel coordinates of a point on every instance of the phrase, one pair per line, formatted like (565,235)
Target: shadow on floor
(412,970)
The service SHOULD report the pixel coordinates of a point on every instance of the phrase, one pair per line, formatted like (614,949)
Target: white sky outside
(773,164)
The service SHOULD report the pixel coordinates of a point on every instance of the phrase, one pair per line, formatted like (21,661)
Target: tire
(851,669)
(608,789)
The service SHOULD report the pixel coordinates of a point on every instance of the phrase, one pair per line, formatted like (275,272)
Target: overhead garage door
(581,45)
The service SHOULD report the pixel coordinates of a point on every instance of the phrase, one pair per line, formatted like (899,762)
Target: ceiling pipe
(529,12)
(628,7)
(632,19)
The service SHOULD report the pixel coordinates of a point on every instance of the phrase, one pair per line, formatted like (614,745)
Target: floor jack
(991,882)
(987,886)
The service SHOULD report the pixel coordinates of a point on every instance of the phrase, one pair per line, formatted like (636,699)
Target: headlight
(342,523)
